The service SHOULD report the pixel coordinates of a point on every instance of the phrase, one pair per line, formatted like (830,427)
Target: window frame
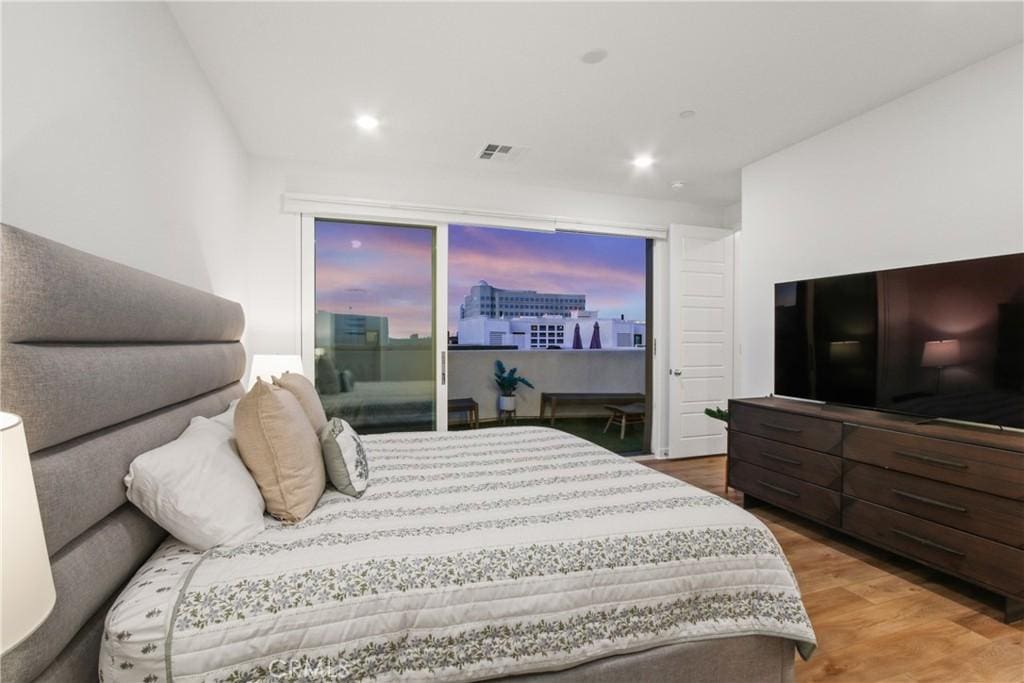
(309,207)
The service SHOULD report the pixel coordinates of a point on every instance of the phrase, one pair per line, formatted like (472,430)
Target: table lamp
(265,366)
(26,583)
(940,354)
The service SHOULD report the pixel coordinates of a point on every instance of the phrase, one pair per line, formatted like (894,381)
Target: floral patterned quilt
(472,555)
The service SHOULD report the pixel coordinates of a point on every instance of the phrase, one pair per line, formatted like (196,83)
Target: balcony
(471,375)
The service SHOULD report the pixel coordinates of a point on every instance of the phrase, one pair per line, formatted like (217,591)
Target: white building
(542,332)
(493,302)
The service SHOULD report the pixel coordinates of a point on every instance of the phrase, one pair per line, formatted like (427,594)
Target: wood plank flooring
(879,618)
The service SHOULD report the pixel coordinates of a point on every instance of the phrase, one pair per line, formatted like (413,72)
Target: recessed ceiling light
(687,114)
(643,161)
(594,56)
(678,185)
(367,122)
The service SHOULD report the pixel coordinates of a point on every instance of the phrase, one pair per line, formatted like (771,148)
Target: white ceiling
(445,79)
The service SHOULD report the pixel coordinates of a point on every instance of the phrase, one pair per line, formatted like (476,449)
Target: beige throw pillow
(281,450)
(303,390)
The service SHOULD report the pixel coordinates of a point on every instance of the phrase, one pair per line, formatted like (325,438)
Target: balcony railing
(471,375)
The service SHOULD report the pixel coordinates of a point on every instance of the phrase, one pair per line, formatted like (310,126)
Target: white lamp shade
(941,354)
(266,366)
(26,586)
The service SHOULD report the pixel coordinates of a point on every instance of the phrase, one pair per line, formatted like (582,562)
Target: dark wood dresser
(946,495)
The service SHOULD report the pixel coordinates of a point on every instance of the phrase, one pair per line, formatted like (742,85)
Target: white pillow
(197,488)
(227,418)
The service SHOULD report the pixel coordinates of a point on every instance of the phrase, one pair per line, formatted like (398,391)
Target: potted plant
(718,414)
(508,381)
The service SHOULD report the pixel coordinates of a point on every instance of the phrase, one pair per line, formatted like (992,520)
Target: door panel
(705,388)
(374,341)
(703,319)
(701,284)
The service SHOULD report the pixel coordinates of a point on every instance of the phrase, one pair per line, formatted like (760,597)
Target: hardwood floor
(878,617)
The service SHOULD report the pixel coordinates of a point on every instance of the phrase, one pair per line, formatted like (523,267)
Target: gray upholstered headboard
(103,362)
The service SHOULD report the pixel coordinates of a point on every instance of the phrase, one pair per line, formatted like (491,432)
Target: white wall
(114,142)
(933,176)
(732,216)
(272,237)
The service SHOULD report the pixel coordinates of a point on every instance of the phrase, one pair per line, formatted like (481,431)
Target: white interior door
(701,328)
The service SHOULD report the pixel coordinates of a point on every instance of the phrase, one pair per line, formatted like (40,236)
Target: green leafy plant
(718,414)
(507,380)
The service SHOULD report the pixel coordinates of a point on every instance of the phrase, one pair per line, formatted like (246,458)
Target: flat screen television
(937,341)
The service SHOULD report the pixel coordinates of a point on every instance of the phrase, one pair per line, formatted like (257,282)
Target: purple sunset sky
(375,270)
(609,270)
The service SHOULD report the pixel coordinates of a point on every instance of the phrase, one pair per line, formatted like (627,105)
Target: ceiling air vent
(494,152)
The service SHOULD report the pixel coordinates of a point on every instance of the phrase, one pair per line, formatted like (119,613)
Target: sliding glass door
(405,317)
(374,326)
(568,311)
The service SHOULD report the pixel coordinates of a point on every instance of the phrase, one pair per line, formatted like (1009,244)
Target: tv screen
(939,341)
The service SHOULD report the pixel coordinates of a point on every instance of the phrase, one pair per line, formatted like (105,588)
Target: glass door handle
(676,372)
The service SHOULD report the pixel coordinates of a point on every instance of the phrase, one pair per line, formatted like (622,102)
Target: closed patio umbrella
(577,338)
(595,339)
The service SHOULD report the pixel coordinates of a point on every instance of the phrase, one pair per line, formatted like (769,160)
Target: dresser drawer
(995,565)
(799,430)
(976,467)
(799,496)
(811,466)
(999,519)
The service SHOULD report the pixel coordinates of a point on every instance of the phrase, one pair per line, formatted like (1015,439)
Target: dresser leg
(750,502)
(1013,611)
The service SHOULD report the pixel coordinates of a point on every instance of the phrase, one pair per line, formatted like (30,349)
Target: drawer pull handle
(788,461)
(781,428)
(929,501)
(930,544)
(941,462)
(773,487)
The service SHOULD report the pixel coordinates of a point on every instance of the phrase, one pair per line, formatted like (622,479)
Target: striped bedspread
(472,555)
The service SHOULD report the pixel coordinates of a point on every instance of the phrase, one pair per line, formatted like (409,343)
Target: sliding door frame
(307,306)
(441,325)
(310,207)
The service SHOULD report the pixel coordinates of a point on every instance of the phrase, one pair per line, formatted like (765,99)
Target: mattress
(472,555)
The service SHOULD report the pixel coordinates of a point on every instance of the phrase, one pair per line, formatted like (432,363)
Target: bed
(104,362)
(472,555)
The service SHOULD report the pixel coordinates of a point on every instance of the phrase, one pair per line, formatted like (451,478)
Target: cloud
(374,270)
(610,271)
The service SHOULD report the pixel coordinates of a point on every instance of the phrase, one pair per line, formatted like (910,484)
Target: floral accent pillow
(344,458)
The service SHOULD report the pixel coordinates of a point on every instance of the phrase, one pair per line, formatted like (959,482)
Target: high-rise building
(492,302)
(552,331)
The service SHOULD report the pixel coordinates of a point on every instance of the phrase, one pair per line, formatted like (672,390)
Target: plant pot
(507,403)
